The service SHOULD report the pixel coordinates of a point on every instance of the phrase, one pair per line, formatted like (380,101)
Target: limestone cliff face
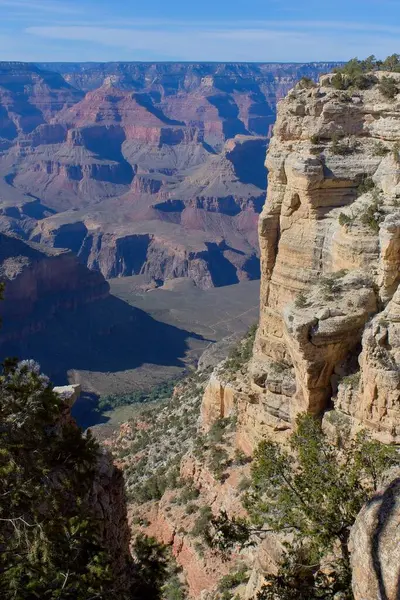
(328,340)
(329,333)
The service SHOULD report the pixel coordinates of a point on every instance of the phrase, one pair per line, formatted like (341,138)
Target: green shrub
(188,493)
(200,527)
(199,447)
(218,461)
(217,431)
(153,488)
(173,589)
(191,509)
(391,63)
(306,83)
(344,219)
(242,353)
(151,564)
(355,74)
(366,185)
(240,457)
(388,87)
(380,150)
(199,547)
(232,580)
(244,484)
(338,82)
(295,491)
(172,478)
(301,300)
(371,217)
(315,139)
(331,285)
(351,380)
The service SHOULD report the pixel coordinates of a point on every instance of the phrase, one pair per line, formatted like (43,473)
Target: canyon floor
(176,326)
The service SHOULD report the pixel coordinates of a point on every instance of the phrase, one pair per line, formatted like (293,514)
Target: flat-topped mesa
(330,254)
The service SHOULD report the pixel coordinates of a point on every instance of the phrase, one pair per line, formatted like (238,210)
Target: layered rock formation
(329,236)
(328,337)
(327,342)
(153,169)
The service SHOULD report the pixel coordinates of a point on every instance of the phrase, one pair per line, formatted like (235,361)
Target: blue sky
(202,30)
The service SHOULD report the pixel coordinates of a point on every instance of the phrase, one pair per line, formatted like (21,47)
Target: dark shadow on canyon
(387,506)
(105,336)
(86,412)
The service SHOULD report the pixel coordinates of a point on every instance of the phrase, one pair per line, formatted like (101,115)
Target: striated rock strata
(374,544)
(328,341)
(329,235)
(151,169)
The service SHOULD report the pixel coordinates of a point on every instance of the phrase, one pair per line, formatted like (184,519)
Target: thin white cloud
(226,28)
(33,6)
(209,44)
(165,24)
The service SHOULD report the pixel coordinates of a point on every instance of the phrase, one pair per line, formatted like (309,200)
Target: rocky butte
(142,168)
(328,340)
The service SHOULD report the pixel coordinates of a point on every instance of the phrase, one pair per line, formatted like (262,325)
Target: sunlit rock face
(374,544)
(329,235)
(150,169)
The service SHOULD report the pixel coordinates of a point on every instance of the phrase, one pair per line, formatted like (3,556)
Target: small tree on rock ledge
(312,492)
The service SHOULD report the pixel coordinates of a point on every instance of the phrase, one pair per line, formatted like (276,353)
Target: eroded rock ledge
(328,340)
(329,333)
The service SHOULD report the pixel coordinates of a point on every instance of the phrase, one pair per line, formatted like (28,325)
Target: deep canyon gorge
(151,176)
(139,168)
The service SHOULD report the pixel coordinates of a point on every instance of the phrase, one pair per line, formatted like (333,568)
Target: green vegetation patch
(241,354)
(295,491)
(158,393)
(388,87)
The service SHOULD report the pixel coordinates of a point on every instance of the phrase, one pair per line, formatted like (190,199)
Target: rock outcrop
(329,235)
(374,544)
(328,341)
(106,501)
(151,169)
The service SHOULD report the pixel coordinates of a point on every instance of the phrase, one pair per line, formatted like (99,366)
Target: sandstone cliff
(375,545)
(329,234)
(328,338)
